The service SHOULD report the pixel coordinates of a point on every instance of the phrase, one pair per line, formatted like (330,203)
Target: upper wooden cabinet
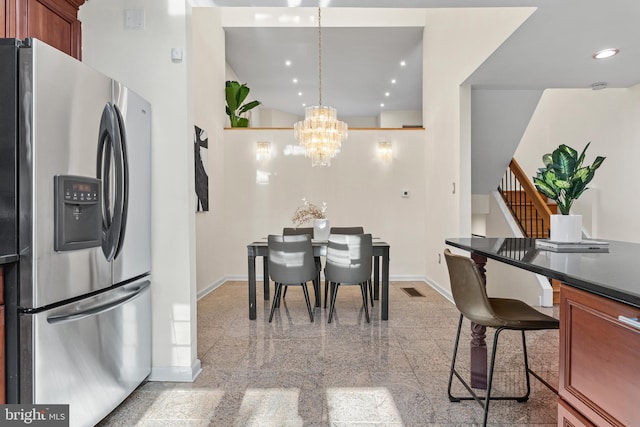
(55,22)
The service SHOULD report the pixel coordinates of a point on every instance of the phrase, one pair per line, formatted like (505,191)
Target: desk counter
(614,274)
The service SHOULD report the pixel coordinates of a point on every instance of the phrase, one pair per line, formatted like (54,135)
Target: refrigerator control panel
(77,213)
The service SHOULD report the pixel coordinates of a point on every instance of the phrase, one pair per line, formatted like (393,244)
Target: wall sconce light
(263,150)
(385,150)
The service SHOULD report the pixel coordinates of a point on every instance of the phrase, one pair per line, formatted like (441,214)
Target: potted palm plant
(563,179)
(235,94)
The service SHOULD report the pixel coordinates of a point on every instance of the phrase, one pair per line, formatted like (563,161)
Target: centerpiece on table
(564,179)
(309,212)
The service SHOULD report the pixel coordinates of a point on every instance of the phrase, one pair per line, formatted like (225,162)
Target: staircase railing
(529,208)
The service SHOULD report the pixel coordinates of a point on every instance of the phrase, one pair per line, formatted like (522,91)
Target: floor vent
(412,292)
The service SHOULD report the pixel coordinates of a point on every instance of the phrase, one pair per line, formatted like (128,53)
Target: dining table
(259,248)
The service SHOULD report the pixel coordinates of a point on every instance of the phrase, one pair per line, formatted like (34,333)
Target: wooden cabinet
(599,356)
(55,22)
(569,417)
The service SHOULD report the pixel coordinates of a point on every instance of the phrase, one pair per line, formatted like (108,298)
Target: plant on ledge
(235,94)
(564,179)
(308,212)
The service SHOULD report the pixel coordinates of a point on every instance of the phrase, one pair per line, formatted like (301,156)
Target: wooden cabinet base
(598,373)
(569,417)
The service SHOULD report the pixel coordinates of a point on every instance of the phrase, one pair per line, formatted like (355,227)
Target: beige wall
(610,119)
(456,42)
(208,76)
(359,188)
(141,59)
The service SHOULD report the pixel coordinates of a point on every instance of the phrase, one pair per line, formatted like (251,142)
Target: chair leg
(284,294)
(365,304)
(276,299)
(526,370)
(334,294)
(306,299)
(326,290)
(316,291)
(370,286)
(487,398)
(453,362)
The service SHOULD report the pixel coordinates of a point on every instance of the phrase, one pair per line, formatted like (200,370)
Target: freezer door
(61,103)
(91,354)
(133,255)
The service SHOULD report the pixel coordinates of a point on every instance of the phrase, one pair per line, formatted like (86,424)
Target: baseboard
(181,374)
(445,293)
(213,286)
(398,278)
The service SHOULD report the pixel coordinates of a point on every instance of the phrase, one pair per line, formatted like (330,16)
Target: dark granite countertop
(614,274)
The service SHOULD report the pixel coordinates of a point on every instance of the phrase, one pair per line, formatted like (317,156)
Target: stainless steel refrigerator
(78,319)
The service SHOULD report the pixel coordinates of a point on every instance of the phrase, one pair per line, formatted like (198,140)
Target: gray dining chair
(290,263)
(347,230)
(290,231)
(348,263)
(470,297)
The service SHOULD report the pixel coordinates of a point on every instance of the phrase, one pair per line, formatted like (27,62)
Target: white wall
(610,119)
(272,118)
(141,59)
(399,118)
(208,76)
(358,187)
(456,42)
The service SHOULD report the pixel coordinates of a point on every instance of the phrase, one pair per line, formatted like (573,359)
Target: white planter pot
(566,228)
(321,229)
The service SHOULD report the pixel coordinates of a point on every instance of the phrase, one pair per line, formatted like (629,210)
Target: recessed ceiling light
(299,93)
(287,63)
(605,53)
(295,80)
(402,63)
(393,81)
(387,94)
(304,105)
(382,105)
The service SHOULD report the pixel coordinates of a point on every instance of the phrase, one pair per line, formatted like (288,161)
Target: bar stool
(470,297)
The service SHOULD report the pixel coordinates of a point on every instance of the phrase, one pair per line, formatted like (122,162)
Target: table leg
(385,285)
(252,287)
(478,336)
(376,278)
(265,274)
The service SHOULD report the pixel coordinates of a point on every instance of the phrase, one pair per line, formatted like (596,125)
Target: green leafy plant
(236,93)
(563,178)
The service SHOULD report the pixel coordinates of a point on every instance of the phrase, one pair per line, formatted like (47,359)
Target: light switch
(134,19)
(176,54)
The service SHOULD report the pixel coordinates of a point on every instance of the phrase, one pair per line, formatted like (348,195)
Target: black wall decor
(201,149)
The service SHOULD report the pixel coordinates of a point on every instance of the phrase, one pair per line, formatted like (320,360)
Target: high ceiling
(552,49)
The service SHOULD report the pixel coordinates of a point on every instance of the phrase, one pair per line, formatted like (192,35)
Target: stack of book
(582,246)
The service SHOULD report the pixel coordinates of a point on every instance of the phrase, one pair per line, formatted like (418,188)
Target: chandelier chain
(319,58)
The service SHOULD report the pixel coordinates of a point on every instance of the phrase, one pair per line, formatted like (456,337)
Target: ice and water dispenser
(77,212)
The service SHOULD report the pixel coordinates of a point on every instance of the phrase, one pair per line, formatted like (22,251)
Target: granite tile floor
(349,373)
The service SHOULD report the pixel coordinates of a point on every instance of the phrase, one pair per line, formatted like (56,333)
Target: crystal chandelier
(320,133)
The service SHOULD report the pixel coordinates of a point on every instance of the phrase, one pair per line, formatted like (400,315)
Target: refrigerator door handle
(100,307)
(109,146)
(124,171)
